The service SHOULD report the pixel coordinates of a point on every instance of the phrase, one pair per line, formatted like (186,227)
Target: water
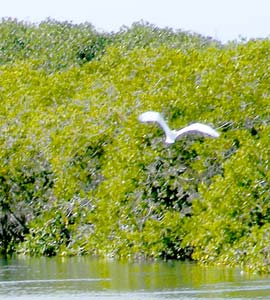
(94,279)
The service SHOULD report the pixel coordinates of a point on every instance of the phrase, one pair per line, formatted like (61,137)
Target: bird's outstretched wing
(153,116)
(197,128)
(150,116)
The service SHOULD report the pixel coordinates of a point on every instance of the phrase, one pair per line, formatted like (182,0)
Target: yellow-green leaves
(75,160)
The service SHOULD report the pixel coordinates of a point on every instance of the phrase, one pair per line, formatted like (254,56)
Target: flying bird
(173,135)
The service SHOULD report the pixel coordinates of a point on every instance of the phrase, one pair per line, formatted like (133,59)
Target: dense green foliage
(80,175)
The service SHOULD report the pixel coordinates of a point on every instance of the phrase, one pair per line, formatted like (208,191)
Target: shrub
(81,175)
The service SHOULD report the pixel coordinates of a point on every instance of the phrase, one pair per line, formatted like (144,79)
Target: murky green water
(87,278)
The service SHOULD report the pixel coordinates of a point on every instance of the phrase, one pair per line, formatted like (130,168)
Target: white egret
(173,135)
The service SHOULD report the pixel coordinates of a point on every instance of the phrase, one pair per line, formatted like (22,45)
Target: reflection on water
(88,278)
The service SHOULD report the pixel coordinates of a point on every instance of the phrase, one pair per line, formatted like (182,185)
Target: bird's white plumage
(173,135)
